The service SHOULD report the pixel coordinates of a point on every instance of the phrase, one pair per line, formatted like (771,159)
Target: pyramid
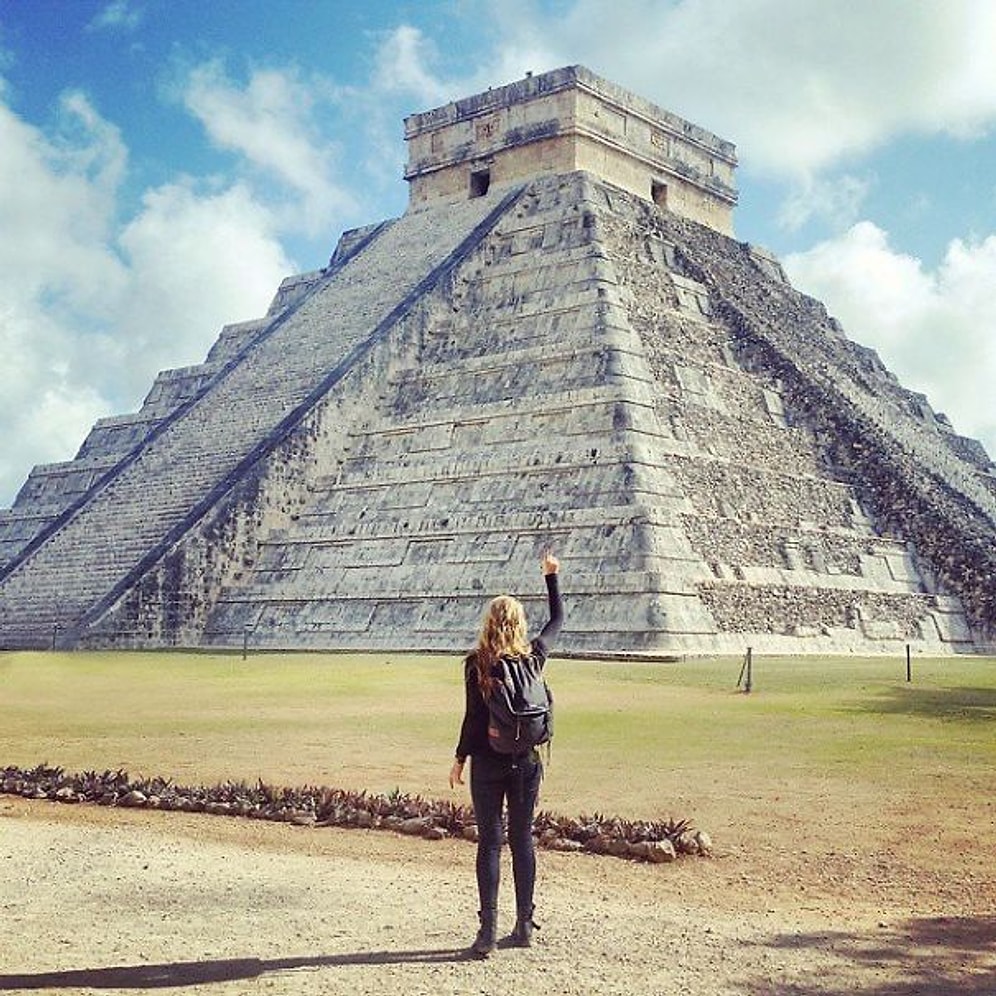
(559,344)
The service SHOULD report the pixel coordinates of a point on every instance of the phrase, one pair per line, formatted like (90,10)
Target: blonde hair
(503,631)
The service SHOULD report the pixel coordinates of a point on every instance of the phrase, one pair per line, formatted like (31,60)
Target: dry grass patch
(822,751)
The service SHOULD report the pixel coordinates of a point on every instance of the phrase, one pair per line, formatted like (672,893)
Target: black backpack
(520,706)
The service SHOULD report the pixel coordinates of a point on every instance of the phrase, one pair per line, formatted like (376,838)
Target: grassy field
(635,739)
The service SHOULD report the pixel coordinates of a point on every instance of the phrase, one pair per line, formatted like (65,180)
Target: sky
(164,164)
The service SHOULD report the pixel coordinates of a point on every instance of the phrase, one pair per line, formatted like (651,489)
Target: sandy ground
(97,900)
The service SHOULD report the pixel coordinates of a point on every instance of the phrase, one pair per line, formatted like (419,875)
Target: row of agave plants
(655,841)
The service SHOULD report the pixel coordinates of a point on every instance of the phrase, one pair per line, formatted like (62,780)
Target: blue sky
(165,163)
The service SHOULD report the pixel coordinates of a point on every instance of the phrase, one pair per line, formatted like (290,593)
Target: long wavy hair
(503,632)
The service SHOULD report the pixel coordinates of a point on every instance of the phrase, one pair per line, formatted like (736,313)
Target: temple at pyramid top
(565,120)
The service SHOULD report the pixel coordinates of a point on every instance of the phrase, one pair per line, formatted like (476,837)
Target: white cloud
(271,123)
(90,308)
(834,199)
(42,408)
(195,263)
(798,86)
(404,77)
(57,271)
(935,328)
(402,66)
(409,76)
(117,15)
(56,198)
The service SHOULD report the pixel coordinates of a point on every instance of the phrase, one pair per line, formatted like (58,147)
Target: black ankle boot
(522,935)
(487,934)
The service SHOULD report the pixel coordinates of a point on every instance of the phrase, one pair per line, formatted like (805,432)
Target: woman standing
(499,778)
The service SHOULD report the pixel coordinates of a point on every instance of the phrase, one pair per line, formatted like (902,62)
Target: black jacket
(474,730)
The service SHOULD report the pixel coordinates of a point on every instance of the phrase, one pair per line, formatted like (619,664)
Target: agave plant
(325,806)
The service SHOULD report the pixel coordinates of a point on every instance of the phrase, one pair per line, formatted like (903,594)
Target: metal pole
(909,669)
(245,641)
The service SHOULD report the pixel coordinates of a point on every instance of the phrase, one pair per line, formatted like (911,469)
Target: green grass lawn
(637,739)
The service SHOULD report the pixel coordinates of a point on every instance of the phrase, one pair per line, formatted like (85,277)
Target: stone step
(314,529)
(501,413)
(521,457)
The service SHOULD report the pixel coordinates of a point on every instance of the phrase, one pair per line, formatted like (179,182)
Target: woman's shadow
(195,973)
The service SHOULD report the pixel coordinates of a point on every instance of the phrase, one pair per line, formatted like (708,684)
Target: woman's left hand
(456,774)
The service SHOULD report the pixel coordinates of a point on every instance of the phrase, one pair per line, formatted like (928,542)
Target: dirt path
(95,900)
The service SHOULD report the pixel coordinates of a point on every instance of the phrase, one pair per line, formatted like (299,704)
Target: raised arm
(549,633)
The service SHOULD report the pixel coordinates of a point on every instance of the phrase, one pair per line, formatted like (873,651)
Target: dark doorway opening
(658,193)
(480,180)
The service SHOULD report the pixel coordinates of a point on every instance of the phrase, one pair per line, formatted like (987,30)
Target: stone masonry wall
(507,434)
(172,602)
(577,388)
(791,554)
(901,468)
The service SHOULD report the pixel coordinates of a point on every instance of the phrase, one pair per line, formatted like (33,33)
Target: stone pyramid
(559,344)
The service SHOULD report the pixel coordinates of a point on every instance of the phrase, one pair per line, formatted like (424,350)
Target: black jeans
(493,780)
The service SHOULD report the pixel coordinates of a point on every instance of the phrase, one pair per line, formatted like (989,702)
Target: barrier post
(746,668)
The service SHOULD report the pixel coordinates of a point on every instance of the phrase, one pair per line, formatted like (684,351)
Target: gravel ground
(95,900)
